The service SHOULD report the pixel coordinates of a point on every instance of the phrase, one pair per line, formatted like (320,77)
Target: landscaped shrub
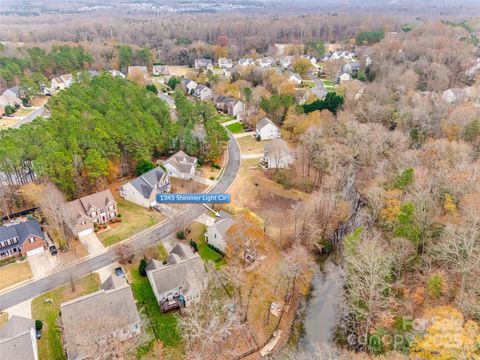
(194,245)
(216,166)
(119,215)
(38,325)
(142,267)
(181,235)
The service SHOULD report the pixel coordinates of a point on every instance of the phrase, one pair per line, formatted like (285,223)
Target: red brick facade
(27,245)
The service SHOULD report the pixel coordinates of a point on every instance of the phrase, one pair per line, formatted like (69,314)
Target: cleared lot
(14,273)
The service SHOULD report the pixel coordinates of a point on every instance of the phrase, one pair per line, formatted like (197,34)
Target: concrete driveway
(92,244)
(41,264)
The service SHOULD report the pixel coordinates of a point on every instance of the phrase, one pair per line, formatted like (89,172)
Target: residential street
(30,117)
(140,240)
(319,89)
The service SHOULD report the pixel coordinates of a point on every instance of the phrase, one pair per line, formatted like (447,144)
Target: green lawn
(308,83)
(206,253)
(50,345)
(163,326)
(134,219)
(327,83)
(224,118)
(235,128)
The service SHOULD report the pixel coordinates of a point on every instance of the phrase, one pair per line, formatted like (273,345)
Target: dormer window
(31,240)
(93,213)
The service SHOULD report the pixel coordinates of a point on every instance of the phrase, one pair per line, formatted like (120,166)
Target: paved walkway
(106,271)
(230,122)
(205,220)
(249,133)
(252,156)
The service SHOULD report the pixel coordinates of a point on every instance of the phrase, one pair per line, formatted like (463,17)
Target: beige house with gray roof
(180,281)
(181,165)
(143,190)
(17,339)
(108,316)
(98,208)
(215,234)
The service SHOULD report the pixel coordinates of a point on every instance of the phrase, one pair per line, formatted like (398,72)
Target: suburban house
(351,68)
(286,61)
(158,70)
(181,165)
(202,92)
(339,55)
(97,208)
(295,78)
(13,94)
(203,64)
(109,315)
(277,155)
(344,77)
(180,281)
(62,82)
(215,234)
(17,339)
(117,73)
(246,62)
(189,86)
(225,63)
(266,130)
(143,190)
(266,62)
(24,238)
(229,105)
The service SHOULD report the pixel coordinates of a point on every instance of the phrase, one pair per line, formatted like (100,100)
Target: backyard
(14,273)
(46,308)
(134,219)
(162,326)
(206,253)
(223,118)
(235,128)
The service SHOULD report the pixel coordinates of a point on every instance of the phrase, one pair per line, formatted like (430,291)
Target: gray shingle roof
(223,225)
(147,182)
(102,312)
(264,122)
(15,339)
(21,230)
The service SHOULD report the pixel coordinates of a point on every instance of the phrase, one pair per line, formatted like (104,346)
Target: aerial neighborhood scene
(239,179)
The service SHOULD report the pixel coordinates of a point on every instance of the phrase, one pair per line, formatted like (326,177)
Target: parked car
(38,334)
(53,250)
(119,272)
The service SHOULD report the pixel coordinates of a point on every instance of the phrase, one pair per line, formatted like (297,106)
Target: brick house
(22,239)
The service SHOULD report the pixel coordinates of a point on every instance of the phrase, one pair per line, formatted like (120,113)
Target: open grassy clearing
(248,145)
(235,128)
(12,274)
(134,219)
(46,308)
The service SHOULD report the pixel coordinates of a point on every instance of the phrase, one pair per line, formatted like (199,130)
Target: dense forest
(98,130)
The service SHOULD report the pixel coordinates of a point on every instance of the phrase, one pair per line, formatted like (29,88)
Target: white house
(62,82)
(17,339)
(277,155)
(225,63)
(202,92)
(117,73)
(215,234)
(344,77)
(266,130)
(141,69)
(158,70)
(203,64)
(143,190)
(246,62)
(189,85)
(180,281)
(266,62)
(286,61)
(295,78)
(181,165)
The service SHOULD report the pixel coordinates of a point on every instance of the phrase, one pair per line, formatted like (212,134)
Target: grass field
(14,273)
(248,145)
(163,326)
(327,83)
(134,219)
(50,345)
(235,128)
(308,83)
(206,253)
(224,118)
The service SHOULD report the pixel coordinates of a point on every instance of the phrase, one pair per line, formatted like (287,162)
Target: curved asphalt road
(319,89)
(140,240)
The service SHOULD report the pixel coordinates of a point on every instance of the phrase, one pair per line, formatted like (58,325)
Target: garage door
(35,251)
(85,232)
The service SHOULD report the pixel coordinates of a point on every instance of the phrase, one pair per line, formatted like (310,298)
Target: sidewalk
(230,122)
(249,133)
(252,156)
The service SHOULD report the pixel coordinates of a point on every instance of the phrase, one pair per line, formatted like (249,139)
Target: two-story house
(106,317)
(277,155)
(181,165)
(180,281)
(99,208)
(62,82)
(22,239)
(225,63)
(143,190)
(266,130)
(229,105)
(203,64)
(215,234)
(202,92)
